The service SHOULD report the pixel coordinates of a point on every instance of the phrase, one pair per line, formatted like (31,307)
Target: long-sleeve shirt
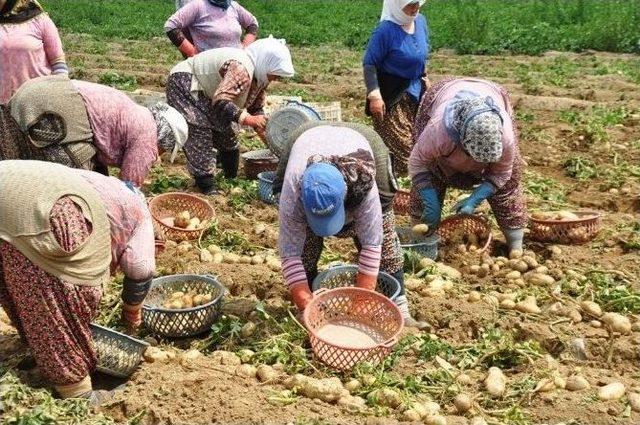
(27,50)
(393,51)
(212,26)
(366,216)
(132,240)
(124,133)
(435,148)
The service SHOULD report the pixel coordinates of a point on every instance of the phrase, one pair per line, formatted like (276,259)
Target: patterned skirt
(52,315)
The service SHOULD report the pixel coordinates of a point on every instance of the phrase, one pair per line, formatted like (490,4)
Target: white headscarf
(270,56)
(173,129)
(392,11)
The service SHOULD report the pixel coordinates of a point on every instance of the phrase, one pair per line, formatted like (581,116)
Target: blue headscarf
(221,3)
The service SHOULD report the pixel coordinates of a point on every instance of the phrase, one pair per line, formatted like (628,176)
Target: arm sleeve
(293,224)
(235,81)
(257,105)
(53,46)
(138,259)
(374,57)
(176,36)
(183,18)
(368,222)
(247,21)
(139,158)
(422,157)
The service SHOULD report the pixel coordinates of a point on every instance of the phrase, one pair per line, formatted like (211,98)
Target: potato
(495,382)
(559,382)
(168,221)
(231,258)
(514,274)
(176,305)
(463,403)
(540,279)
(217,258)
(266,373)
(352,403)
(566,216)
(236,191)
(176,295)
(634,401)
(248,329)
(206,298)
(187,301)
(473,296)
(544,386)
(194,221)
(387,397)
(435,420)
(246,355)
(206,256)
(225,358)
(477,420)
(274,265)
(214,249)
(519,265)
(529,305)
(617,323)
(197,300)
(257,259)
(246,370)
(353,385)
(245,259)
(591,308)
(576,383)
(182,219)
(507,304)
(155,354)
(613,391)
(411,415)
(190,227)
(420,230)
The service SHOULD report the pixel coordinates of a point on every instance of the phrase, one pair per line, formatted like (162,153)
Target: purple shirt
(211,26)
(434,147)
(124,133)
(27,50)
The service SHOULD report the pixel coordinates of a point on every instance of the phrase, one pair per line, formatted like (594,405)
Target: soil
(205,391)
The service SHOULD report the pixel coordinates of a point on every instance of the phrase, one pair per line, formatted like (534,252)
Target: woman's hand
(377,108)
(258,122)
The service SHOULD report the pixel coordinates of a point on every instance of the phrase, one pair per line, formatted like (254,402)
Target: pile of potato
(555,215)
(577,234)
(183,220)
(179,300)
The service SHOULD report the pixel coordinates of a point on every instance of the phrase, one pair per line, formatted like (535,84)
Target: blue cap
(323,192)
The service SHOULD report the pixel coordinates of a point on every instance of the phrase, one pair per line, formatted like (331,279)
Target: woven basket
(401,202)
(427,247)
(186,322)
(170,204)
(286,120)
(160,247)
(255,162)
(265,187)
(366,312)
(341,276)
(567,232)
(466,224)
(118,354)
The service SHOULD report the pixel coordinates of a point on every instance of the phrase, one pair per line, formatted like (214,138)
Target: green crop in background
(468,26)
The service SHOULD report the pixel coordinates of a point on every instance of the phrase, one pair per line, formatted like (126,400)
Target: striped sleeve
(293,271)
(369,260)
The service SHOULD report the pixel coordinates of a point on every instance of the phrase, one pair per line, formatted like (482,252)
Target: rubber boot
(410,322)
(206,184)
(229,161)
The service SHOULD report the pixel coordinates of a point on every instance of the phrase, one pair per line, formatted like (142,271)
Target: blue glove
(431,208)
(469,205)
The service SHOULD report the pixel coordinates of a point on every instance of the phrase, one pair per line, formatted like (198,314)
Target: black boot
(206,184)
(229,161)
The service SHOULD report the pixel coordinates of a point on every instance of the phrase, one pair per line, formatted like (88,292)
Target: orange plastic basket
(468,224)
(369,321)
(567,232)
(401,202)
(170,204)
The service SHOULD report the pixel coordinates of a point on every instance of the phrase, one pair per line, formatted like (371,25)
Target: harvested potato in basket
(555,215)
(184,220)
(179,300)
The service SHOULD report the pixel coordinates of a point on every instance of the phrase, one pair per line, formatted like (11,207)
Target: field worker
(90,126)
(30,46)
(394,73)
(336,179)
(209,24)
(466,137)
(215,91)
(58,243)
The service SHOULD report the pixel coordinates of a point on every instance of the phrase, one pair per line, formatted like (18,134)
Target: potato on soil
(225,358)
(231,258)
(248,329)
(246,355)
(206,256)
(529,305)
(495,382)
(352,403)
(246,370)
(617,323)
(613,391)
(155,354)
(411,415)
(385,397)
(266,373)
(353,385)
(435,420)
(634,401)
(576,383)
(591,308)
(463,403)
(214,249)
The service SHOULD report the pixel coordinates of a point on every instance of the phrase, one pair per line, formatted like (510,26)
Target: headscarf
(16,11)
(270,56)
(173,129)
(392,11)
(475,123)
(358,169)
(224,4)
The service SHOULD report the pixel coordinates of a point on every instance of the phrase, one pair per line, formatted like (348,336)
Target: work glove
(258,122)
(187,49)
(431,208)
(366,281)
(300,294)
(469,204)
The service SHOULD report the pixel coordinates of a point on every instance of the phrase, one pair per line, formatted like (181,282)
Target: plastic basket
(169,205)
(466,224)
(341,276)
(367,312)
(273,102)
(265,187)
(567,232)
(258,161)
(286,120)
(427,247)
(401,201)
(330,111)
(118,354)
(186,322)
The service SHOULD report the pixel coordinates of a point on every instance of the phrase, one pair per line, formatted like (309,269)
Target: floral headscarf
(16,11)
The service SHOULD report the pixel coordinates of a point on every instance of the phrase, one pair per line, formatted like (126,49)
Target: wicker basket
(466,224)
(118,354)
(265,187)
(255,162)
(401,202)
(186,322)
(567,232)
(170,204)
(427,247)
(286,120)
(367,313)
(160,247)
(341,276)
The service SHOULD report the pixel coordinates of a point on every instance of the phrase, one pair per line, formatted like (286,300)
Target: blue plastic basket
(341,276)
(427,247)
(265,187)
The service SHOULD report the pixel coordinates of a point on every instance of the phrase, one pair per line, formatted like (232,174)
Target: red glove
(258,122)
(366,282)
(248,39)
(187,49)
(300,294)
(132,315)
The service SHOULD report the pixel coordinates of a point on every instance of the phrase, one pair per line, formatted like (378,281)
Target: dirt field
(569,106)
